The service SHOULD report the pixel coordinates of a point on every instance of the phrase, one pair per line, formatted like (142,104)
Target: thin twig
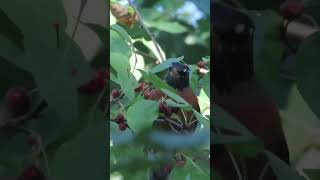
(30,132)
(235,165)
(184,116)
(147,30)
(234,162)
(263,172)
(145,55)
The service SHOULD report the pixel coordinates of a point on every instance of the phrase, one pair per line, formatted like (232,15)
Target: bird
(236,90)
(178,78)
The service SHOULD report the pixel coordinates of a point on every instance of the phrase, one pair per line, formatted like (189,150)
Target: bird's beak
(174,72)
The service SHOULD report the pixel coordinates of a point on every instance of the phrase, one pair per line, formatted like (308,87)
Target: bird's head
(178,76)
(232,38)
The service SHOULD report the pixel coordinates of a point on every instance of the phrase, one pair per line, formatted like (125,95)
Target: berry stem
(30,132)
(147,30)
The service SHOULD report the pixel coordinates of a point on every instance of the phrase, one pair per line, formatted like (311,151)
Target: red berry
(115,93)
(122,126)
(31,173)
(167,168)
(291,9)
(140,87)
(168,112)
(95,85)
(147,94)
(162,108)
(120,118)
(180,163)
(18,101)
(201,64)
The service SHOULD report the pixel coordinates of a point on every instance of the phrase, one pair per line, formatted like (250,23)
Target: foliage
(136,61)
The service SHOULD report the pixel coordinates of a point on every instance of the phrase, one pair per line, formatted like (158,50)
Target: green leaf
(307,73)
(170,27)
(175,97)
(101,32)
(119,45)
(194,77)
(247,146)
(268,48)
(206,84)
(224,120)
(203,120)
(88,147)
(10,30)
(190,171)
(142,114)
(281,169)
(156,81)
(313,174)
(122,32)
(172,141)
(126,80)
(165,64)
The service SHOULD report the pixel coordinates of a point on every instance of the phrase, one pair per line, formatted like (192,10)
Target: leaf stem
(147,30)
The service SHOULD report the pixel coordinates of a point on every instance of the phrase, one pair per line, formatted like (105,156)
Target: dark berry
(31,173)
(167,168)
(147,94)
(168,112)
(122,126)
(201,64)
(120,118)
(18,101)
(180,163)
(95,85)
(291,9)
(115,93)
(162,108)
(140,87)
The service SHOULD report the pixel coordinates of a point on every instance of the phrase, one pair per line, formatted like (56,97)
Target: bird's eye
(185,70)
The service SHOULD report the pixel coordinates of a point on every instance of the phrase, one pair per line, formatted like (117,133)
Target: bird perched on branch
(178,78)
(237,92)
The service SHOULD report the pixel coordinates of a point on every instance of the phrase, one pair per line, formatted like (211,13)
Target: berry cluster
(166,110)
(31,173)
(120,119)
(96,84)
